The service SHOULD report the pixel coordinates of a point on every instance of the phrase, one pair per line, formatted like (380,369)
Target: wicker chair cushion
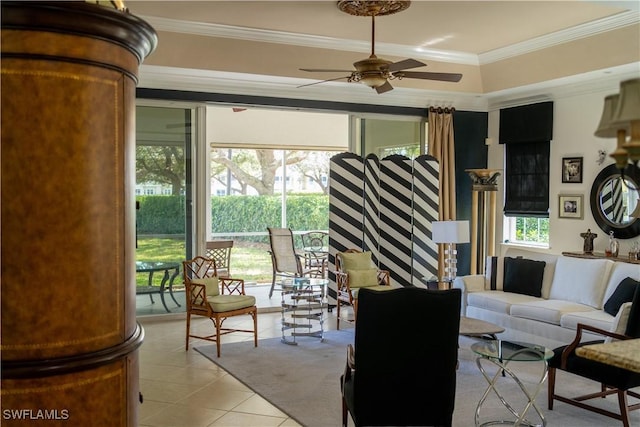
(211,285)
(356,260)
(363,278)
(222,303)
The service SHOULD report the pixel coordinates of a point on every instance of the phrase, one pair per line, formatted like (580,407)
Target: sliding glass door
(163,206)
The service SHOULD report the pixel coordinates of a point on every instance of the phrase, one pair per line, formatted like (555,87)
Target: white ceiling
(504,49)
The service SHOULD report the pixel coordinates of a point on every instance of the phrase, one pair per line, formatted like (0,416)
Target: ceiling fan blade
(324,70)
(405,64)
(384,88)
(445,77)
(324,81)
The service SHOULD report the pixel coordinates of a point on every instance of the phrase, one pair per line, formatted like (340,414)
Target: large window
(385,137)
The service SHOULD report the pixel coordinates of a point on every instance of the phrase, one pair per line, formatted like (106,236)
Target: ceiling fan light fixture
(372,80)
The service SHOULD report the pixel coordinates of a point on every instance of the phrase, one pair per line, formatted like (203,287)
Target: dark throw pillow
(523,276)
(623,293)
(633,324)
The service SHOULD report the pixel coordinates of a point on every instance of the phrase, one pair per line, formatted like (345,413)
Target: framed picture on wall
(572,169)
(570,206)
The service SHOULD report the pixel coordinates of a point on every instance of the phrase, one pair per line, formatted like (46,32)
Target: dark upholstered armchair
(613,380)
(403,376)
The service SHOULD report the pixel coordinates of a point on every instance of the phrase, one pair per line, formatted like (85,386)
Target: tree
(161,164)
(253,168)
(316,167)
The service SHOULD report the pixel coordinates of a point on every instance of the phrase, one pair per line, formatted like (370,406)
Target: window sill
(531,245)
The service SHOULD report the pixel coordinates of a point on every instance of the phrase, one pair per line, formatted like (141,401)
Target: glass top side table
(303,306)
(501,353)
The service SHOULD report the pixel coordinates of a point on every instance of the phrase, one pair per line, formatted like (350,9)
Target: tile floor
(185,389)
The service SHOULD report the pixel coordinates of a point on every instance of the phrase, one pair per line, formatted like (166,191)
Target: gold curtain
(441,146)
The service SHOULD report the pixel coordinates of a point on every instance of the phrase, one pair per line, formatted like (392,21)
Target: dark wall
(470,132)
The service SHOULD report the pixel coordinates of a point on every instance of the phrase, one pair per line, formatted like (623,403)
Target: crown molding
(307,40)
(588,29)
(171,78)
(581,84)
(280,37)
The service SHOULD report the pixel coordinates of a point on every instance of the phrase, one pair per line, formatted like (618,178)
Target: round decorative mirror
(613,200)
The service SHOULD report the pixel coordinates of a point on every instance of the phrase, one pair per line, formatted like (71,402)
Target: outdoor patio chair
(217,298)
(354,270)
(410,380)
(315,246)
(220,251)
(285,260)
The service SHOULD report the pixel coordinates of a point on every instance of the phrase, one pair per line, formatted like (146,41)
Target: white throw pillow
(580,280)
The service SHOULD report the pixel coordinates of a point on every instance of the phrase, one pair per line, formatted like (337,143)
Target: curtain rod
(441,110)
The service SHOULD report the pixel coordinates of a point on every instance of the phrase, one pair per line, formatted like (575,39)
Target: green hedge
(235,214)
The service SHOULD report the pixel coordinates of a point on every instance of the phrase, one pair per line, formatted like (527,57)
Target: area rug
(303,382)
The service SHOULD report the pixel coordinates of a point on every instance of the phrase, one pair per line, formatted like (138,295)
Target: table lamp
(450,232)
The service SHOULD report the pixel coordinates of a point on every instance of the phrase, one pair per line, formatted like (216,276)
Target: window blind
(527,179)
(526,132)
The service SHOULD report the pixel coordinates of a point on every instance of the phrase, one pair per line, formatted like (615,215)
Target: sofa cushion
(580,280)
(523,276)
(597,318)
(548,311)
(497,301)
(623,293)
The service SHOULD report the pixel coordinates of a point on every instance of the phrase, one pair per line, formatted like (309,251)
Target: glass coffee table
(501,353)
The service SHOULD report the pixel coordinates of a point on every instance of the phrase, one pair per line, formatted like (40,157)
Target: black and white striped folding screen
(387,207)
(346,210)
(396,218)
(371,220)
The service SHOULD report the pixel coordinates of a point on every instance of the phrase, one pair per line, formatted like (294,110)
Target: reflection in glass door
(163,201)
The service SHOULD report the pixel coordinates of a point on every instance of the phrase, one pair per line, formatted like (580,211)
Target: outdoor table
(170,270)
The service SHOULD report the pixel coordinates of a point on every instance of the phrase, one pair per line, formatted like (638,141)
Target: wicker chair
(217,298)
(355,270)
(220,251)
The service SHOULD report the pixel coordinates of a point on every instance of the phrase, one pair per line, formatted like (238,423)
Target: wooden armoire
(69,333)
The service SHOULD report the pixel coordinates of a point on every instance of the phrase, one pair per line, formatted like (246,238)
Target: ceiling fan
(376,72)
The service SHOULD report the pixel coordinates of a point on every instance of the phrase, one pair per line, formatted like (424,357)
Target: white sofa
(573,291)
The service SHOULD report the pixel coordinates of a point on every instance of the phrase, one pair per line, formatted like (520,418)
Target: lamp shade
(450,231)
(628,108)
(605,127)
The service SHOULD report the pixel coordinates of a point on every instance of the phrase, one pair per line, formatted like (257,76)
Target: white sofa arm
(471,283)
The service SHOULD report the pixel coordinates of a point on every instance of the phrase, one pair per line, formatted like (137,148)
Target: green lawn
(249,261)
